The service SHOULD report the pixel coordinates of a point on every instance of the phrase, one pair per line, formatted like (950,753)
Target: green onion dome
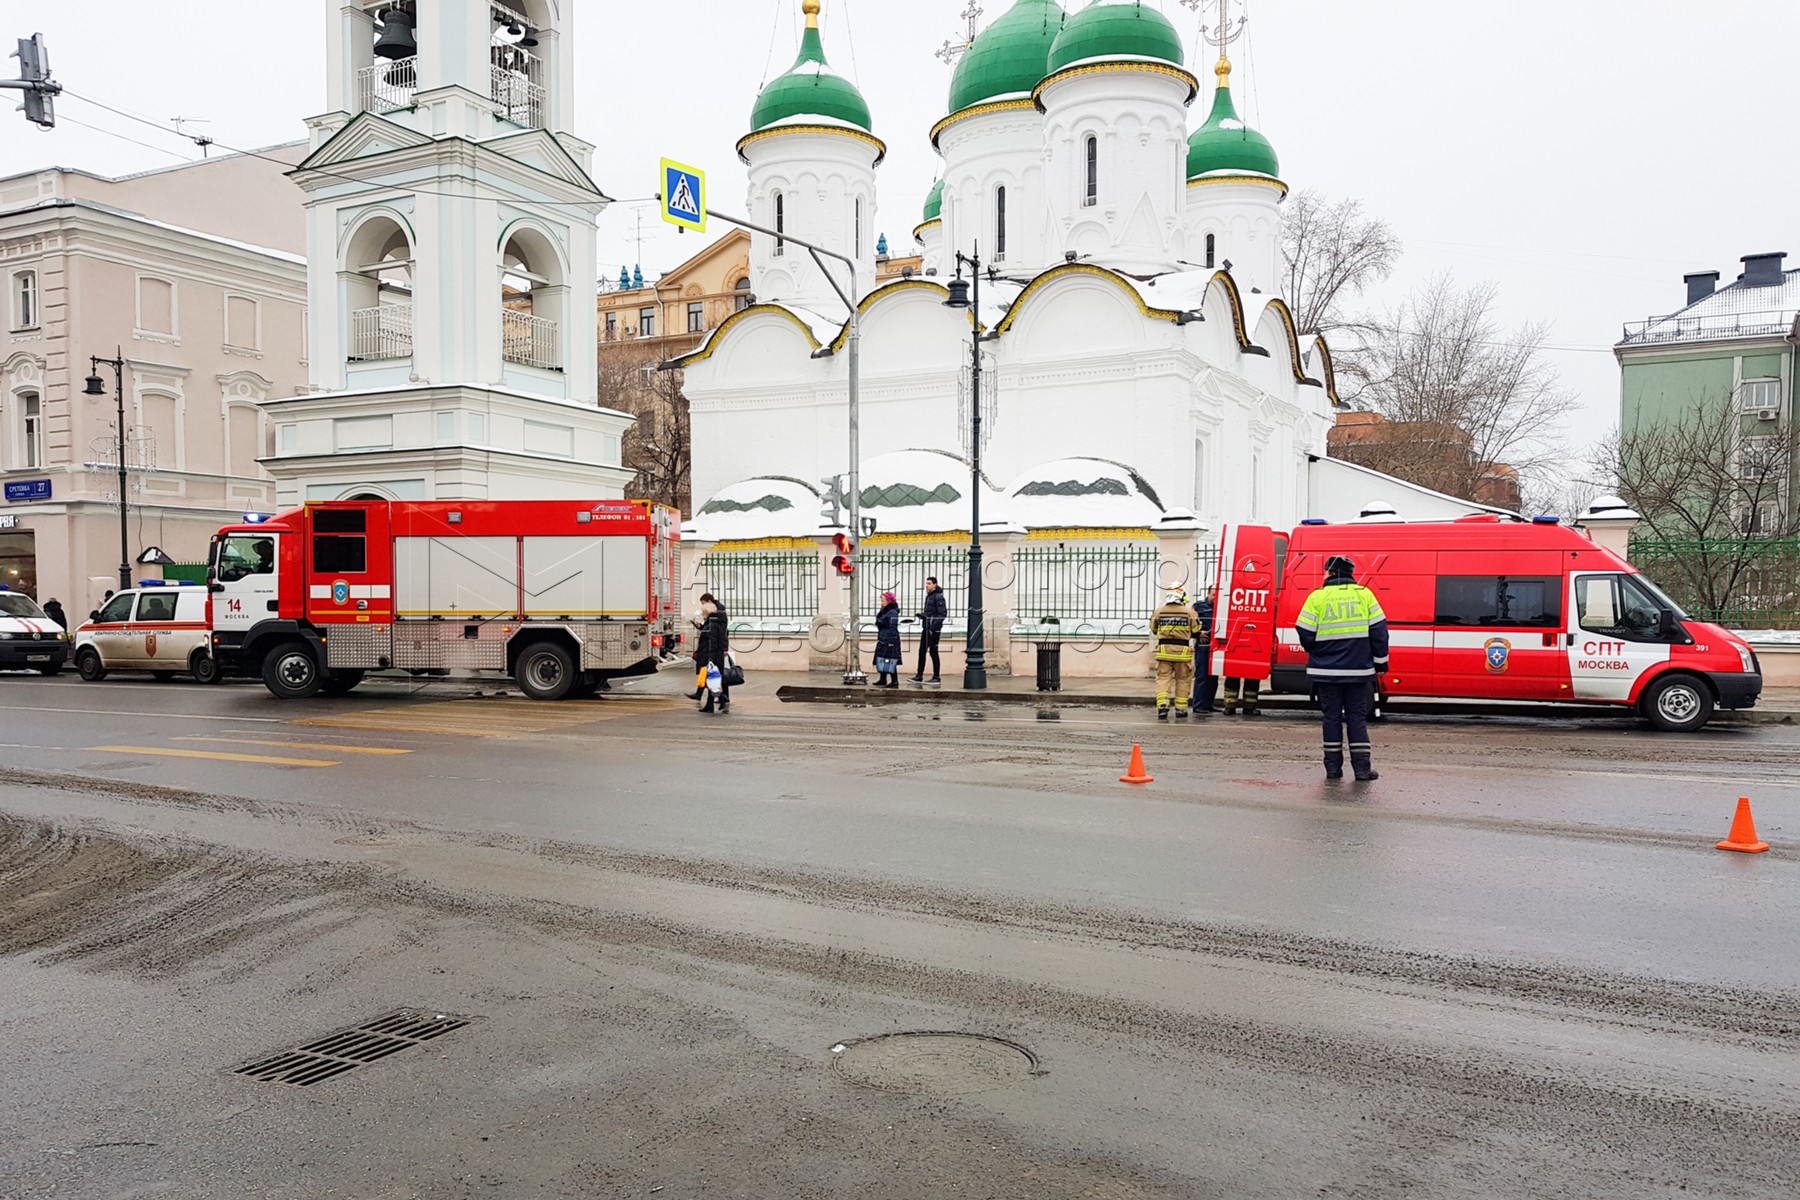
(1225,143)
(810,91)
(934,204)
(1116,29)
(1008,57)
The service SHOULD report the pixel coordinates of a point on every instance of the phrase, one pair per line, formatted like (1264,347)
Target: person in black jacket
(715,640)
(1206,684)
(54,610)
(936,611)
(887,642)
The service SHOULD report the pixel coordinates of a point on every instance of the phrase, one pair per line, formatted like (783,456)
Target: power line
(123,138)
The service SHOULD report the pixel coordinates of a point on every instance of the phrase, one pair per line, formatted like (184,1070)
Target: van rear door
(1245,620)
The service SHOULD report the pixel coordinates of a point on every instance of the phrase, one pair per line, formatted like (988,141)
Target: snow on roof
(765,506)
(1176,291)
(1734,310)
(1082,493)
(141,219)
(923,491)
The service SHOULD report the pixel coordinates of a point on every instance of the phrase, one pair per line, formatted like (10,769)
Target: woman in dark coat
(887,642)
(714,641)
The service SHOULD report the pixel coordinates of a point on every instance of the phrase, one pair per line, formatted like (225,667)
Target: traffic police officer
(1345,634)
(1174,627)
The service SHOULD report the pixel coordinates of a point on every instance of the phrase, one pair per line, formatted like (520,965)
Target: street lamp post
(96,386)
(975,653)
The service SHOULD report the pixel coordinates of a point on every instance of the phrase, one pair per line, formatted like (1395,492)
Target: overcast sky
(1581,155)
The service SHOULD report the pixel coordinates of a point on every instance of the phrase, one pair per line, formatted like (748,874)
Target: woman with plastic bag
(712,653)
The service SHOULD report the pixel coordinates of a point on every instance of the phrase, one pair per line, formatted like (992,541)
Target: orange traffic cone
(1136,773)
(1743,831)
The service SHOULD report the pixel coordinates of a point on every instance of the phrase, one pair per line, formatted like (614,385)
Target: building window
(1754,395)
(1091,195)
(31,431)
(1200,504)
(243,322)
(25,300)
(744,298)
(1256,487)
(1500,601)
(1212,246)
(696,317)
(156,306)
(646,322)
(612,326)
(1000,224)
(780,224)
(859,228)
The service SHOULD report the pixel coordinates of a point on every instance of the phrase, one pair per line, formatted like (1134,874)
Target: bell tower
(451,274)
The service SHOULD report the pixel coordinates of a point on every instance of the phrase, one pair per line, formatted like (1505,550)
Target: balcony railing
(1717,325)
(530,341)
(387,86)
(520,100)
(385,331)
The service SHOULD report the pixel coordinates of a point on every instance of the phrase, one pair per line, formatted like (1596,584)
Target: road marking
(488,718)
(214,756)
(335,749)
(159,716)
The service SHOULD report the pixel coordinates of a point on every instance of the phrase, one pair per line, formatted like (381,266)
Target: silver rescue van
(159,628)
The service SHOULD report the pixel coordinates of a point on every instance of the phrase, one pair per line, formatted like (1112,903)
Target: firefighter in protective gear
(1345,635)
(1174,627)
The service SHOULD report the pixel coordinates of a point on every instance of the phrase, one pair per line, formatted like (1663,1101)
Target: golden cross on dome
(1220,35)
(952,49)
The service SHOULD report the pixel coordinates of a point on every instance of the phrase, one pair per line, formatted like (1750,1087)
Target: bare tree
(1333,254)
(1716,491)
(1466,403)
(659,446)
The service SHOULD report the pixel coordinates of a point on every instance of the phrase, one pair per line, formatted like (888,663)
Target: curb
(866,697)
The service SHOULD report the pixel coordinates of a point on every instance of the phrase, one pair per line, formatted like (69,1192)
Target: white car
(159,628)
(29,639)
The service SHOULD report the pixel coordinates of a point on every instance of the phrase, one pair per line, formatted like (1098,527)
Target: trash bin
(1049,666)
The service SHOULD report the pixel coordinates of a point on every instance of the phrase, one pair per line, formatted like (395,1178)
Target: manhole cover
(348,1049)
(935,1063)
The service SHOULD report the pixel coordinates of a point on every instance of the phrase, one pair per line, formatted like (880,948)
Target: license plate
(37,658)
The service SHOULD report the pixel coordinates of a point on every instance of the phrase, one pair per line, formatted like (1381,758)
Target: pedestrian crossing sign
(684,196)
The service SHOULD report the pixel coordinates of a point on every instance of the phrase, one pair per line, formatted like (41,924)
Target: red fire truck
(559,594)
(1488,609)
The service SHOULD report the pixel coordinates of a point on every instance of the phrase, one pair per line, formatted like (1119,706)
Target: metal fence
(384,331)
(387,86)
(903,570)
(1741,583)
(530,341)
(1104,585)
(765,589)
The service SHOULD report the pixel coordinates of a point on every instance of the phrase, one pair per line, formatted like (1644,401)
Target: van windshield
(14,605)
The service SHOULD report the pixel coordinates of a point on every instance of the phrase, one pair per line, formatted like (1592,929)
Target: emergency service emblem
(150,645)
(1498,652)
(340,592)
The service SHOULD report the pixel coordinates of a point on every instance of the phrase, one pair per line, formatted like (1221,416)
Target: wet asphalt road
(1513,966)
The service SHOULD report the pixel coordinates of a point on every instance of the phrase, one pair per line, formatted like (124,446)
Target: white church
(1143,368)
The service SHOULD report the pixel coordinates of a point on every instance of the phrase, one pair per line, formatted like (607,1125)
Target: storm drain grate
(348,1049)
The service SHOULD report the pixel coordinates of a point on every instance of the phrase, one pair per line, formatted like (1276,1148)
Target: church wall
(1245,219)
(820,177)
(981,154)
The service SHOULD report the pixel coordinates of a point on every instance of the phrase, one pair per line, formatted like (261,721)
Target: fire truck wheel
(1677,704)
(205,668)
(341,683)
(545,671)
(291,672)
(89,666)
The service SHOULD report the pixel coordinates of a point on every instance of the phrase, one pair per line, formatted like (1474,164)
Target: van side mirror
(215,586)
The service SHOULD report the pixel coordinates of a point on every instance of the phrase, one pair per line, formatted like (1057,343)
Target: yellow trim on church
(1089,535)
(705,352)
(1066,269)
(744,545)
(750,139)
(1025,103)
(1253,180)
(916,539)
(1115,68)
(886,289)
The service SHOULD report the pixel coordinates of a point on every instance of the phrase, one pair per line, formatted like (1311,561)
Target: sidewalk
(1778,706)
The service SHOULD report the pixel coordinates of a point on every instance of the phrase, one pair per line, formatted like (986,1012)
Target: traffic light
(843,560)
(34,80)
(832,501)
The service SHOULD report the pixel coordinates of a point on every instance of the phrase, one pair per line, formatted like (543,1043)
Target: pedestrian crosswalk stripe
(215,756)
(325,746)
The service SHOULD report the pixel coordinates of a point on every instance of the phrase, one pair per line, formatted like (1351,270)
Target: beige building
(195,276)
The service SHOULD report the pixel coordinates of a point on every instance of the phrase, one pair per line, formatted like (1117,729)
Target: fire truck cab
(559,595)
(1488,609)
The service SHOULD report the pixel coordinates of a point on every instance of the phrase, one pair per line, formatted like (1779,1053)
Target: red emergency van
(1485,608)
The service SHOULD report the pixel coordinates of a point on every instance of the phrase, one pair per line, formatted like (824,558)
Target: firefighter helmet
(1175,596)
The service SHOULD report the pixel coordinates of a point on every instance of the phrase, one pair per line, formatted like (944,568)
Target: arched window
(858,241)
(743,297)
(532,298)
(1000,224)
(31,431)
(1091,196)
(780,224)
(1211,249)
(377,271)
